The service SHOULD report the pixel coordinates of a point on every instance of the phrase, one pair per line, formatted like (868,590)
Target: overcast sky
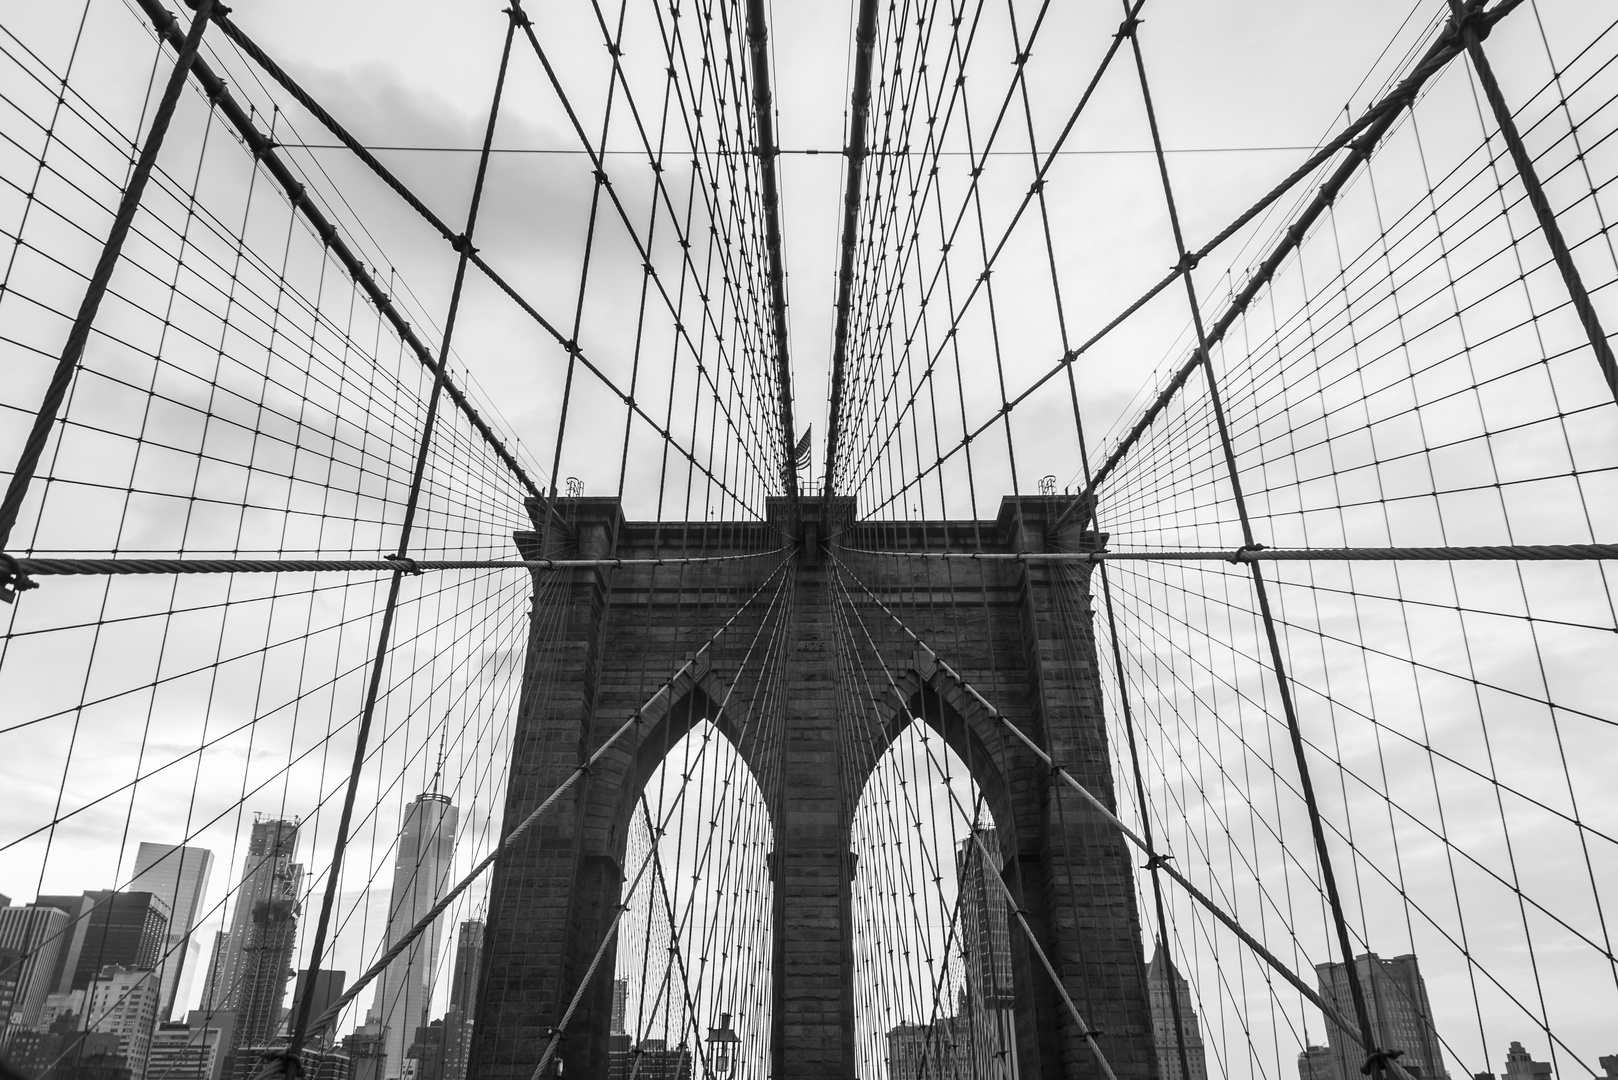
(1242,92)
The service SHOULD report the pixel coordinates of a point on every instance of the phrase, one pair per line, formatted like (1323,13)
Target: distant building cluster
(92,986)
(648,1059)
(980,1039)
(1401,1018)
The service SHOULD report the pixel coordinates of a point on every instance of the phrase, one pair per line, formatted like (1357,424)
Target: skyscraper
(182,1052)
(35,934)
(328,988)
(463,990)
(620,1005)
(126,929)
(941,1050)
(253,959)
(77,908)
(268,873)
(123,1002)
(990,994)
(1317,1063)
(1396,1001)
(420,876)
(180,876)
(1162,980)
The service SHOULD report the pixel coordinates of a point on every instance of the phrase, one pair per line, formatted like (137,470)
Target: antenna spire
(439,771)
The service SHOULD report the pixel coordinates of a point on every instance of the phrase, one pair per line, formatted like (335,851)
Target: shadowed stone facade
(604,639)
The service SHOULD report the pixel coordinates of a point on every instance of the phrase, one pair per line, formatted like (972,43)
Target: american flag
(800,455)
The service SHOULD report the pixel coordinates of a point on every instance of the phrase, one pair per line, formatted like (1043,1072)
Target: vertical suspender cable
(464,245)
(763,118)
(1376,1055)
(1467,23)
(859,108)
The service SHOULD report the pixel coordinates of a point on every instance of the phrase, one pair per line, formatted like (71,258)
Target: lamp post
(721,1040)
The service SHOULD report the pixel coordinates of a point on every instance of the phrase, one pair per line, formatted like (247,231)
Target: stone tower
(604,639)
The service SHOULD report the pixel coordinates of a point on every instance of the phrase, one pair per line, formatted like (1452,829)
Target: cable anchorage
(13,580)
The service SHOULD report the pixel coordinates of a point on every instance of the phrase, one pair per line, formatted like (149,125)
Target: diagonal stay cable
(265,150)
(558,1032)
(1058,772)
(1085,1031)
(1359,138)
(667,690)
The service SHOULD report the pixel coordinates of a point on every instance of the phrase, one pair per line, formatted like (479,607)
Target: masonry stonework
(603,640)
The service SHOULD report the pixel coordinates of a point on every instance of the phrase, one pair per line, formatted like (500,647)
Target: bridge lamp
(721,1042)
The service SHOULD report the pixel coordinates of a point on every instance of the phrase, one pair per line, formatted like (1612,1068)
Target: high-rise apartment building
(463,992)
(328,987)
(1162,980)
(180,876)
(1318,1063)
(620,1005)
(252,960)
(1400,1014)
(985,933)
(366,1052)
(941,1050)
(183,1052)
(421,871)
(125,929)
(11,961)
(77,909)
(32,1053)
(269,873)
(222,1022)
(265,966)
(463,989)
(33,936)
(123,1002)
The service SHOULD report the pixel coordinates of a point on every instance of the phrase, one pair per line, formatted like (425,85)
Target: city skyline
(55,975)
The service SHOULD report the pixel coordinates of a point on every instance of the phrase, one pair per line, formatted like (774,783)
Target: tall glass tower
(180,876)
(421,875)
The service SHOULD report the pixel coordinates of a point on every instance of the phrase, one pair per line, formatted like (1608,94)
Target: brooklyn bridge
(673,539)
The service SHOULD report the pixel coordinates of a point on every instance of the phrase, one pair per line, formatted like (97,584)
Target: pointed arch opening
(934,956)
(693,976)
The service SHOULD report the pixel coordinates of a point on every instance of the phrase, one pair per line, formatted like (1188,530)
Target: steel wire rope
(560,1028)
(1354,137)
(509,841)
(1085,1032)
(931,870)
(604,182)
(973,193)
(1117,824)
(1449,847)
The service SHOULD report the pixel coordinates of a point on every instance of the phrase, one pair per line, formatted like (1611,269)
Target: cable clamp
(405,565)
(291,1064)
(1379,1059)
(1188,262)
(1471,20)
(519,16)
(1245,553)
(463,245)
(1127,28)
(13,580)
(1156,862)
